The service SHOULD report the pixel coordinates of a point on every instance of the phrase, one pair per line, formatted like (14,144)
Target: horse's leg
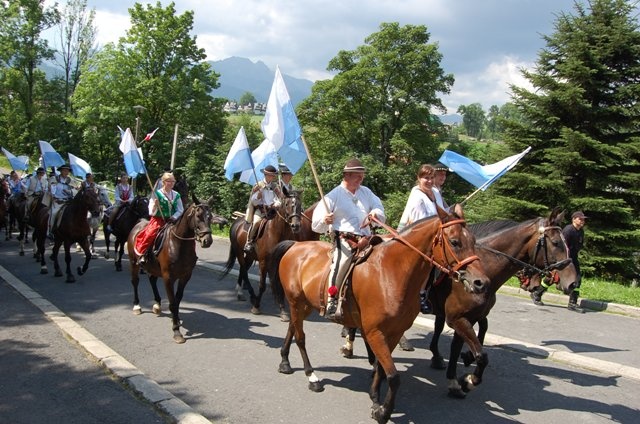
(239,294)
(157,306)
(437,361)
(296,329)
(455,390)
(468,382)
(349,335)
(67,260)
(87,258)
(54,258)
(118,249)
(483,326)
(21,237)
(262,285)
(107,239)
(382,347)
(135,281)
(174,305)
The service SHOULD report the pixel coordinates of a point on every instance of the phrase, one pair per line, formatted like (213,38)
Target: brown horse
(283,224)
(127,217)
(73,228)
(504,247)
(383,293)
(175,259)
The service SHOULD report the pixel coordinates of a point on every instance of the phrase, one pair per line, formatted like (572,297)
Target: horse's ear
(442,214)
(457,210)
(557,221)
(194,199)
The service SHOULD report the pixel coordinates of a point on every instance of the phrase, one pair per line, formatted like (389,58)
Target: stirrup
(331,308)
(248,248)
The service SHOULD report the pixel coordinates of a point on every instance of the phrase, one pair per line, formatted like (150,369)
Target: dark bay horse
(306,233)
(175,260)
(127,217)
(4,207)
(383,293)
(504,247)
(283,225)
(73,228)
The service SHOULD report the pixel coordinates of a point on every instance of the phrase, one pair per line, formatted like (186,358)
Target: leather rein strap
(438,238)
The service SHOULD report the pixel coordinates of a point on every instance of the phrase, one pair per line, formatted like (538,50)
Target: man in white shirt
(264,195)
(351,207)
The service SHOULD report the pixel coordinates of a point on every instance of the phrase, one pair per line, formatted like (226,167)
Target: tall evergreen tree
(583,122)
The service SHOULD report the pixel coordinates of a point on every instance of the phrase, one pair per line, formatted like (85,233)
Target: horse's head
(140,206)
(454,250)
(89,199)
(103,195)
(197,218)
(292,210)
(550,255)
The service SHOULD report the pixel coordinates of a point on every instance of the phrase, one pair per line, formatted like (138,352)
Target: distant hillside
(239,75)
(450,119)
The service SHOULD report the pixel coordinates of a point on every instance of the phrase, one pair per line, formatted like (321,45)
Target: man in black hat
(37,186)
(61,192)
(264,195)
(574,236)
(285,183)
(438,181)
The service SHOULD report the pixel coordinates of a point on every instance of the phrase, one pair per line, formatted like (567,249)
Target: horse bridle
(550,271)
(291,215)
(447,250)
(199,235)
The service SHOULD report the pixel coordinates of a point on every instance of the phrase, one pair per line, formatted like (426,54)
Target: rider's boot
(251,238)
(425,306)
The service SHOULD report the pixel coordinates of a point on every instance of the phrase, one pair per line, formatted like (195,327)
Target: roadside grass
(602,291)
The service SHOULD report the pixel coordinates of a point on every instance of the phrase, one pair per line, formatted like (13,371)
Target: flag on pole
(121,131)
(478,175)
(150,135)
(262,156)
(79,167)
(49,155)
(280,125)
(18,163)
(239,157)
(132,155)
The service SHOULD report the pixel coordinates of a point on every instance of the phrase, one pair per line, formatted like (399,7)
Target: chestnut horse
(383,293)
(282,223)
(174,261)
(504,247)
(127,217)
(73,228)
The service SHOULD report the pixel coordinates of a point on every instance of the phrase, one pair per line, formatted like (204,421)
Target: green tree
(378,107)
(473,119)
(247,98)
(158,66)
(23,85)
(582,122)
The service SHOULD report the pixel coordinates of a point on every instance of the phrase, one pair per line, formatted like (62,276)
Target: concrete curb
(130,376)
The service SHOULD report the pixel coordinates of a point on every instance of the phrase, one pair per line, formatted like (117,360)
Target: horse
(15,211)
(284,223)
(73,228)
(20,211)
(504,247)
(382,293)
(4,209)
(174,260)
(127,217)
(94,222)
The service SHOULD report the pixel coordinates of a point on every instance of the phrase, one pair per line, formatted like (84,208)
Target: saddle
(158,242)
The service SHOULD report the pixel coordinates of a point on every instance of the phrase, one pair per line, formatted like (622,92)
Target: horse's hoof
(255,311)
(346,352)
(456,394)
(469,382)
(406,344)
(137,310)
(241,298)
(285,369)
(70,280)
(107,256)
(179,339)
(378,413)
(437,363)
(157,309)
(284,317)
(316,386)
(57,274)
(21,253)
(44,271)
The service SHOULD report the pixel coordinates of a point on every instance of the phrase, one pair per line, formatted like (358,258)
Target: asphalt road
(227,370)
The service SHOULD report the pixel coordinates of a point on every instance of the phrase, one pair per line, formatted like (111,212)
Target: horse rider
(16,187)
(61,192)
(351,206)
(164,207)
(37,186)
(264,195)
(124,194)
(285,183)
(88,183)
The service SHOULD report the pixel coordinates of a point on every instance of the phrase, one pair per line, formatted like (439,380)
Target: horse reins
(198,235)
(437,239)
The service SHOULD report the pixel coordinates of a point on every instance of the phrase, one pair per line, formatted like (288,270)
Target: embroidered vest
(166,208)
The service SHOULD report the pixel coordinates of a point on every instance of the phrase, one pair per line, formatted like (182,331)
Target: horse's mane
(489,228)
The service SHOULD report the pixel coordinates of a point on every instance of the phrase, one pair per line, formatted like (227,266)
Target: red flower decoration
(333,290)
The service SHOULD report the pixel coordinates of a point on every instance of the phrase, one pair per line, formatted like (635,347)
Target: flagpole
(173,149)
(315,175)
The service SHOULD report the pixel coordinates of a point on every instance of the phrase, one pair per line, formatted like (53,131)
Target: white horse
(95,221)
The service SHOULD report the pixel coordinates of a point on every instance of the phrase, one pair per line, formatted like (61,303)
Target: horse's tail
(274,266)
(231,260)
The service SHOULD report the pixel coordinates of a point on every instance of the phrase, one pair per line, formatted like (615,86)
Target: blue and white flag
(478,175)
(132,155)
(49,155)
(280,126)
(262,156)
(239,157)
(79,167)
(18,163)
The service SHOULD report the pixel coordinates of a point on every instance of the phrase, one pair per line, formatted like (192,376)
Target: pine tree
(583,121)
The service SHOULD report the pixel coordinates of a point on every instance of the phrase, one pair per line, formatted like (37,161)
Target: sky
(484,43)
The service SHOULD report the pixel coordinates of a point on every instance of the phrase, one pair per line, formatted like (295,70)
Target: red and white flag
(151,134)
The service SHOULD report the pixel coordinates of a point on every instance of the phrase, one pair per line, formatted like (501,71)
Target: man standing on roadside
(574,236)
